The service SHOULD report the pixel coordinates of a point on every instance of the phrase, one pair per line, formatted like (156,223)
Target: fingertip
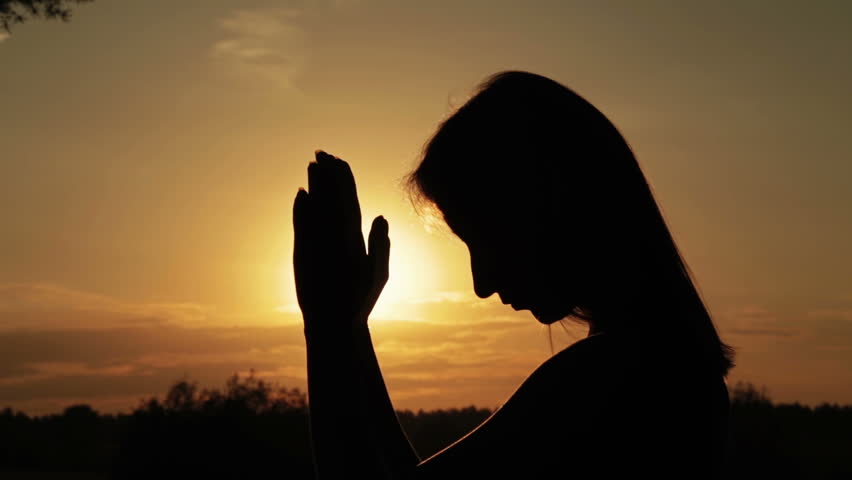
(381,223)
(322,156)
(314,173)
(301,200)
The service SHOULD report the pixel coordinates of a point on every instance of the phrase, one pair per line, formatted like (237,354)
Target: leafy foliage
(18,11)
(249,428)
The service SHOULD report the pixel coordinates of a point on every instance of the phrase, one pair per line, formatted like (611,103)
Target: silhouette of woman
(559,220)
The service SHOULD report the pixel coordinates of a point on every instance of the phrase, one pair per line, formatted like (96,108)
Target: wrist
(349,331)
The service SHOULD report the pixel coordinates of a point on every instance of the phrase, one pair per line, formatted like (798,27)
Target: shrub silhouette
(250,428)
(78,440)
(787,440)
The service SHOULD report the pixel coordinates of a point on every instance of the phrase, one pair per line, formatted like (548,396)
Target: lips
(510,301)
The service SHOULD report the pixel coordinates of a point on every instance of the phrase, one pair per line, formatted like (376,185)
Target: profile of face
(516,251)
(501,167)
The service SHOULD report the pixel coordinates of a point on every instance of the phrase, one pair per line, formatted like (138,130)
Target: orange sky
(151,152)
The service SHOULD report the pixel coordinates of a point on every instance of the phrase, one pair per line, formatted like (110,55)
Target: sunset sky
(151,152)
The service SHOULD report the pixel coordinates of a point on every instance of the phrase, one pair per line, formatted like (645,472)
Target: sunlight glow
(412,273)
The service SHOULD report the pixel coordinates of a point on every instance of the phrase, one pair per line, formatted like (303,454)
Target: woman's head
(553,207)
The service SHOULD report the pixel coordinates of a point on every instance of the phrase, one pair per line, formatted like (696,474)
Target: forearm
(354,427)
(339,436)
(397,453)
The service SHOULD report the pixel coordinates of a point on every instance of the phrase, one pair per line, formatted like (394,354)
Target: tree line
(253,427)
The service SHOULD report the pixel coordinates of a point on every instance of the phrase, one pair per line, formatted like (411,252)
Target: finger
(321,173)
(301,221)
(352,207)
(379,250)
(344,199)
(378,262)
(321,185)
(300,212)
(302,248)
(345,180)
(323,157)
(322,205)
(340,176)
(314,186)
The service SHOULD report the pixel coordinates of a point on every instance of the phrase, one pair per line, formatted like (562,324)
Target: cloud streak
(481,363)
(263,44)
(834,314)
(46,306)
(757,321)
(472,353)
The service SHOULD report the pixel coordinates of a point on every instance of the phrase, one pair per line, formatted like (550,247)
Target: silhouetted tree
(745,394)
(18,11)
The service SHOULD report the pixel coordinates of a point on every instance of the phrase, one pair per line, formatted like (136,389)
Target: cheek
(527,250)
(544,264)
(524,264)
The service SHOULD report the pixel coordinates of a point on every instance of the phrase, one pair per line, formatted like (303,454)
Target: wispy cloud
(449,306)
(46,370)
(263,44)
(46,306)
(771,332)
(450,296)
(835,314)
(756,320)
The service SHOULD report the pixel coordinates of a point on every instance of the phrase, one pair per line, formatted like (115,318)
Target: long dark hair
(525,132)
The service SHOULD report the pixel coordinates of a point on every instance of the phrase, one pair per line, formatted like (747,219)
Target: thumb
(378,259)
(379,251)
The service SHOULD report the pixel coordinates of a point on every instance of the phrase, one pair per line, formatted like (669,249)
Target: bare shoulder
(553,411)
(602,390)
(587,369)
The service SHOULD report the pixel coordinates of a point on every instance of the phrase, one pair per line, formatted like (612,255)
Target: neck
(594,328)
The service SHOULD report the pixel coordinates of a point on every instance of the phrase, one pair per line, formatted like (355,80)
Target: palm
(337,280)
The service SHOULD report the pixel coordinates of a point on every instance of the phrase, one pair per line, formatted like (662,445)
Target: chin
(547,318)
